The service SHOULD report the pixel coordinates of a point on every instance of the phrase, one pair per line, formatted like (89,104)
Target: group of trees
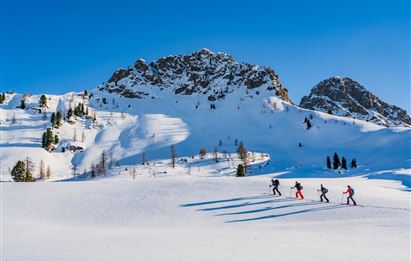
(49,139)
(337,163)
(2,97)
(308,122)
(22,171)
(55,119)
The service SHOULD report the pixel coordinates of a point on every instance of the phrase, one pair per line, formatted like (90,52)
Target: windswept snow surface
(186,217)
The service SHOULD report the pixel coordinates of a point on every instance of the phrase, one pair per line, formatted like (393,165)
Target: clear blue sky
(58,46)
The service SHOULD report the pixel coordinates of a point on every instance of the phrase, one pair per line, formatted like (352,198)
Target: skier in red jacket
(350,192)
(299,188)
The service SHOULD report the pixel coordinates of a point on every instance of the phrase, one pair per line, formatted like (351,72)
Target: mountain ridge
(343,96)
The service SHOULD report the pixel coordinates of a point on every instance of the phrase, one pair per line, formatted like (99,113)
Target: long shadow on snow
(245,204)
(270,208)
(224,200)
(287,214)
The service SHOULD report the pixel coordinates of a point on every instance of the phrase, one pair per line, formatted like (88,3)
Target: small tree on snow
(48,172)
(173,155)
(353,163)
(42,171)
(328,162)
(240,171)
(343,163)
(336,161)
(202,153)
(18,172)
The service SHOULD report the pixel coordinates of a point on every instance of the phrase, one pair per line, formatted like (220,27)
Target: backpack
(325,190)
(351,191)
(277,182)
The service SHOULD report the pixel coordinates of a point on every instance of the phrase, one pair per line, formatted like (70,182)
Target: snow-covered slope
(345,97)
(126,128)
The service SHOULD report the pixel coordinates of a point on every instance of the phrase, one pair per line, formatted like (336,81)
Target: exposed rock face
(203,72)
(345,97)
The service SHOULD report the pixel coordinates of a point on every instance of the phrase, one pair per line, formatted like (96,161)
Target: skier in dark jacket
(350,192)
(299,188)
(323,192)
(275,184)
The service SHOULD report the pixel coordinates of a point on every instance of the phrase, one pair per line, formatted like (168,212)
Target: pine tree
(353,163)
(42,171)
(343,163)
(69,113)
(1,98)
(18,172)
(101,167)
(43,101)
(53,119)
(240,171)
(58,118)
(173,155)
(56,139)
(93,170)
(48,172)
(43,140)
(328,162)
(22,104)
(28,170)
(336,161)
(309,125)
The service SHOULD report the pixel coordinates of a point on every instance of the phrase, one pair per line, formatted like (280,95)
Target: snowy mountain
(345,97)
(118,140)
(214,75)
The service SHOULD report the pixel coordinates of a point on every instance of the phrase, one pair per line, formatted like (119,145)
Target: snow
(203,218)
(199,210)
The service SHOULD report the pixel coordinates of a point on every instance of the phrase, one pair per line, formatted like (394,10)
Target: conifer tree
(53,119)
(240,171)
(58,118)
(29,170)
(43,101)
(22,104)
(18,172)
(353,163)
(343,163)
(56,139)
(336,161)
(328,162)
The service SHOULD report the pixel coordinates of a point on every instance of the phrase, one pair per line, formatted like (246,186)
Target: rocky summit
(202,72)
(346,97)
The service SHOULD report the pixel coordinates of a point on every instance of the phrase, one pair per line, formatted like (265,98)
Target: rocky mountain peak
(201,72)
(346,97)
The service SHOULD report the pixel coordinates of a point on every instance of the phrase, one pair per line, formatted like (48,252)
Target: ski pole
(342,197)
(290,191)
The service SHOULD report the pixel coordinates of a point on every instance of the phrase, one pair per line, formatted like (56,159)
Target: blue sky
(59,46)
